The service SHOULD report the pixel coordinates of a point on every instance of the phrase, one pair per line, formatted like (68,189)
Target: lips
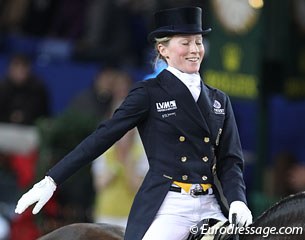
(193,59)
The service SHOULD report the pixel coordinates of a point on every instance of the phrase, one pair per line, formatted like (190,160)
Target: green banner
(234,48)
(294,83)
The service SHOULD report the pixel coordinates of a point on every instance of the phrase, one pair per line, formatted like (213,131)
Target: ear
(162,50)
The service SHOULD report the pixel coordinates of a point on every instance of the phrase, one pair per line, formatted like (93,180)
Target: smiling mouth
(193,59)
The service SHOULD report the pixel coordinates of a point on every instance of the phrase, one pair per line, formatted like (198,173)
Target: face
(18,72)
(184,52)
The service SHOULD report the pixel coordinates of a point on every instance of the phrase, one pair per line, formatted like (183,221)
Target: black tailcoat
(184,141)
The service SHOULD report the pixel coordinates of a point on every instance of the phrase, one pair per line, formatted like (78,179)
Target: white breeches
(179,212)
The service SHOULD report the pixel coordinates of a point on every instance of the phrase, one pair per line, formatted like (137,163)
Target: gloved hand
(243,214)
(40,193)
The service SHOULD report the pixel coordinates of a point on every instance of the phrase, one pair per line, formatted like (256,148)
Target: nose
(194,48)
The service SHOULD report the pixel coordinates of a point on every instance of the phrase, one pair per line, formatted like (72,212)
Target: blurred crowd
(100,30)
(33,140)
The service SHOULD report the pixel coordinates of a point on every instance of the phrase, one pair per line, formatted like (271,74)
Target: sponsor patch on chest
(217,108)
(166,106)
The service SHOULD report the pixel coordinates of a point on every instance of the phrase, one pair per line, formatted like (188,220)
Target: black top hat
(185,20)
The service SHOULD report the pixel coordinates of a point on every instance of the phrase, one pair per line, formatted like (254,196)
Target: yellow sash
(187,186)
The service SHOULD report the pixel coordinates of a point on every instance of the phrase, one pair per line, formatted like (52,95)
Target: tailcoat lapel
(205,104)
(174,87)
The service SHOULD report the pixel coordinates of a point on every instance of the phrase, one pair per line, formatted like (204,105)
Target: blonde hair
(164,41)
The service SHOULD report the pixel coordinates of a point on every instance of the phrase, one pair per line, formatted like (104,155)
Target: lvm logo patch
(166,106)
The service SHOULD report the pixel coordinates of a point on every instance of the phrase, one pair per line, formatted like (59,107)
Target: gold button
(205,159)
(206,139)
(183,159)
(181,138)
(204,178)
(185,177)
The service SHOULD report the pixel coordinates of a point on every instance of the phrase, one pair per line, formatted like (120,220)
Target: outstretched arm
(133,110)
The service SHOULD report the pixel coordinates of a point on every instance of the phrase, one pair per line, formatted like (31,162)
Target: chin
(192,70)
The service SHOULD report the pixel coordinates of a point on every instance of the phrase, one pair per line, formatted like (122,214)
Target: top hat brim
(159,33)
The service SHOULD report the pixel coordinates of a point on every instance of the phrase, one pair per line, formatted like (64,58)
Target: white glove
(41,192)
(243,214)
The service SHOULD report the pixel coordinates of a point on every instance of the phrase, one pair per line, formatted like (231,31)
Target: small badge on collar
(217,108)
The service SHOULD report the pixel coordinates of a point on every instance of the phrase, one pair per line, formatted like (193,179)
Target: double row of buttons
(184,159)
(185,177)
(205,139)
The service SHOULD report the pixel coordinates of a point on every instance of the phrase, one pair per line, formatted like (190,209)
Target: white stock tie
(192,81)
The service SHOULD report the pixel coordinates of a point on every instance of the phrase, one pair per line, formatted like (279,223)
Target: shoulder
(148,82)
(139,92)
(146,85)
(215,92)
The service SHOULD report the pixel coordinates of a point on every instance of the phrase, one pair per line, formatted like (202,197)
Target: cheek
(202,52)
(180,54)
(174,55)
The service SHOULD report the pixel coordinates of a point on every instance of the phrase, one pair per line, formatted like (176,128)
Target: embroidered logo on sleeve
(217,108)
(166,106)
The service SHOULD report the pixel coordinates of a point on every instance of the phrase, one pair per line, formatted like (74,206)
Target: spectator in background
(58,135)
(285,176)
(23,97)
(119,172)
(97,99)
(23,100)
(68,19)
(122,40)
(12,13)
(39,16)
(121,86)
(117,175)
(284,164)
(288,172)
(297,176)
(104,39)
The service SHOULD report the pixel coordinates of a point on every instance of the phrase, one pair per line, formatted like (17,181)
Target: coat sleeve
(133,110)
(230,161)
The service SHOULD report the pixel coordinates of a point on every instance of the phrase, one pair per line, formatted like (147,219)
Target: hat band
(181,28)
